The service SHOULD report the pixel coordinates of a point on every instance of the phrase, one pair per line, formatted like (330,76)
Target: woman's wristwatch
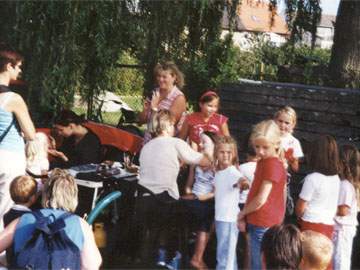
(155,109)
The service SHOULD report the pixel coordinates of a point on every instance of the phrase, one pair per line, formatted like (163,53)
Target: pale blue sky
(328,6)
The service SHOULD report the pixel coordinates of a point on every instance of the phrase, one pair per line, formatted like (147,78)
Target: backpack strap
(3,135)
(50,224)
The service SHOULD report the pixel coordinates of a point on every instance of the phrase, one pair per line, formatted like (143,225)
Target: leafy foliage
(75,46)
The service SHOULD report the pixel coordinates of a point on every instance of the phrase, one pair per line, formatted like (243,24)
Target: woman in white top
(159,167)
(15,123)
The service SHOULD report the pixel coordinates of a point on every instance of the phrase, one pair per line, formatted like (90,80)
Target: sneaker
(174,264)
(161,260)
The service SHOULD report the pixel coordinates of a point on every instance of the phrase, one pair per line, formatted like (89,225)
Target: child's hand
(289,155)
(242,184)
(52,142)
(241,224)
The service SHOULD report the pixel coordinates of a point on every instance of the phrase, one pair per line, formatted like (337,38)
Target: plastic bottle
(100,235)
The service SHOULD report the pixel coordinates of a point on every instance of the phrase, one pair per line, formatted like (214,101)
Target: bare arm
(343,210)
(190,180)
(184,132)
(225,129)
(294,164)
(90,255)
(178,108)
(205,161)
(19,108)
(300,207)
(260,199)
(7,235)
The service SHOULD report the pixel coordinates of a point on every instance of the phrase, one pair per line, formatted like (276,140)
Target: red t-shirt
(273,211)
(197,125)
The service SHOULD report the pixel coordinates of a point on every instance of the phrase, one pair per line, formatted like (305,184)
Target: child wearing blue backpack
(53,237)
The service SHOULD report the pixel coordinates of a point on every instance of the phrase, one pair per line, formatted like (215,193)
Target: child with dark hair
(281,247)
(206,119)
(317,203)
(199,199)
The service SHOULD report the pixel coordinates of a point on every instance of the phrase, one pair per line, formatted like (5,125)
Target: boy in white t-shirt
(248,170)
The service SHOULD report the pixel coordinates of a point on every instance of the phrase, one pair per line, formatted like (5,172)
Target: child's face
(264,148)
(225,155)
(209,108)
(285,122)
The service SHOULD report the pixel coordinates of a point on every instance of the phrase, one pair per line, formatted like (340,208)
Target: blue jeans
(256,234)
(227,236)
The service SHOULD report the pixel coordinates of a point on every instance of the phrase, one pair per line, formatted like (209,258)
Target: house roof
(255,16)
(327,21)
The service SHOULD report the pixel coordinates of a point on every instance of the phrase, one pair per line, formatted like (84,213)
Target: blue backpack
(49,247)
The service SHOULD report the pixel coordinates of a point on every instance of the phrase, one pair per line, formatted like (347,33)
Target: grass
(112,118)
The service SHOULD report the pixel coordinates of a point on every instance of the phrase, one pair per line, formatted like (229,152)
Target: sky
(329,7)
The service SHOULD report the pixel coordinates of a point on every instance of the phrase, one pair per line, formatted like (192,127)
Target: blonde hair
(37,148)
(22,188)
(289,111)
(317,249)
(160,121)
(60,191)
(174,70)
(220,140)
(269,131)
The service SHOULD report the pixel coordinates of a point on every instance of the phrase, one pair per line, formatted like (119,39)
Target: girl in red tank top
(207,119)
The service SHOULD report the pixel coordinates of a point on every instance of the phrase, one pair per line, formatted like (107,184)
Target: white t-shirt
(347,196)
(226,196)
(321,193)
(159,163)
(248,170)
(289,141)
(204,181)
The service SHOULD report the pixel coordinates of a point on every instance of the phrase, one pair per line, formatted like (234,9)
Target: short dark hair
(324,156)
(66,117)
(282,247)
(8,55)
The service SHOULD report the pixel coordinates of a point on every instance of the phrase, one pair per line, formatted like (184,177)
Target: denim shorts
(202,213)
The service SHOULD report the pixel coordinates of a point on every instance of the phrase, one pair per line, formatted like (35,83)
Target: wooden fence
(320,110)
